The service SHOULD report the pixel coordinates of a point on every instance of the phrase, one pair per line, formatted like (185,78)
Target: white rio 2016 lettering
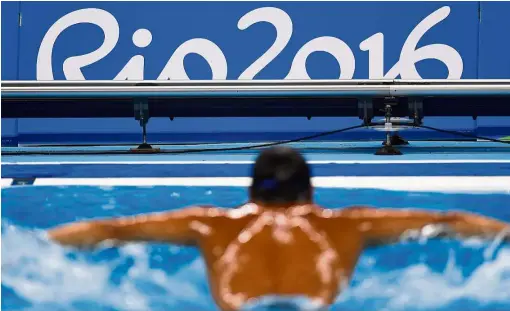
(175,70)
(72,66)
(331,45)
(409,55)
(283,25)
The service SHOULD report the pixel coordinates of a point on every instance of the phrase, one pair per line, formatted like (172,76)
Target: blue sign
(254,40)
(248,40)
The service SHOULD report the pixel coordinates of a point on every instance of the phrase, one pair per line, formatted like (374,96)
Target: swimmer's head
(281,177)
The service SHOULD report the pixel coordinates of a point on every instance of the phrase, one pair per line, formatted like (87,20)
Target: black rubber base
(145,148)
(397,140)
(388,150)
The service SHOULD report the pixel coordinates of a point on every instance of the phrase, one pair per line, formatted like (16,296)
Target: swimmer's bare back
(252,251)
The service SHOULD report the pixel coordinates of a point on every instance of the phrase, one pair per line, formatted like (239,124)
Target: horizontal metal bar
(195,91)
(452,82)
(451,90)
(282,88)
(259,88)
(11,83)
(193,82)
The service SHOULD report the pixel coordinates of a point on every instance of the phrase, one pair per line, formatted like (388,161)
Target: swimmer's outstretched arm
(171,227)
(381,226)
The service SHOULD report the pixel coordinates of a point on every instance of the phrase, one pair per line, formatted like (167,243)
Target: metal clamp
(141,107)
(365,110)
(416,110)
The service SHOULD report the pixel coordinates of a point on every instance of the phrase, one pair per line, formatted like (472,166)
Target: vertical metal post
(141,107)
(388,148)
(144,130)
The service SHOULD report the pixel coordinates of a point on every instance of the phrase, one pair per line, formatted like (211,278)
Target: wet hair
(281,176)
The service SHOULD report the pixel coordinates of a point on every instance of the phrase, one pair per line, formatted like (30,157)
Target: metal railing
(260,88)
(362,98)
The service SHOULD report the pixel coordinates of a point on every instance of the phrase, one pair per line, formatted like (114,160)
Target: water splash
(50,277)
(43,273)
(498,241)
(418,287)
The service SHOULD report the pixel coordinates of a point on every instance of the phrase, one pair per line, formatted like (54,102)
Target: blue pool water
(38,275)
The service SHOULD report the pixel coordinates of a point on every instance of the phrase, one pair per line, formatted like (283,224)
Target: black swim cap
(281,176)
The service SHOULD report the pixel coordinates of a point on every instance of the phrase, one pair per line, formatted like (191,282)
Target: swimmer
(279,251)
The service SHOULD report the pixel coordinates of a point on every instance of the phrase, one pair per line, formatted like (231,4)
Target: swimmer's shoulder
(345,212)
(241,212)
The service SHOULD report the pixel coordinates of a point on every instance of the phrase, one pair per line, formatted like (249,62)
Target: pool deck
(425,166)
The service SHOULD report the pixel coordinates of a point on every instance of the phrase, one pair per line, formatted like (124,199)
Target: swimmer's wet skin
(254,252)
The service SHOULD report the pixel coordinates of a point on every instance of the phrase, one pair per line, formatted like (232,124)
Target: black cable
(463,134)
(283,142)
(120,144)
(249,147)
(112,152)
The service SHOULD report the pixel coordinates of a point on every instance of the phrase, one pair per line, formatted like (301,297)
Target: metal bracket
(388,148)
(365,110)
(416,110)
(141,106)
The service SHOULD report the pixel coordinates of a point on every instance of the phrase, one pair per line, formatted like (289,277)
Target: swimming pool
(427,275)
